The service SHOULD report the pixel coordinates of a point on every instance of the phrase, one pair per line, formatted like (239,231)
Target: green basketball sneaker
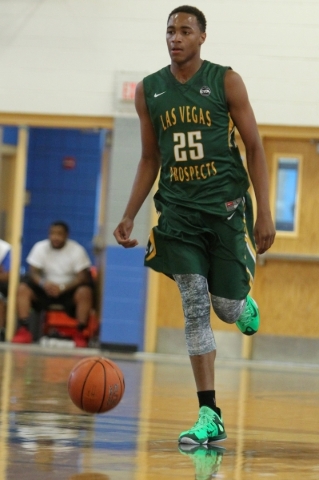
(249,320)
(206,459)
(208,428)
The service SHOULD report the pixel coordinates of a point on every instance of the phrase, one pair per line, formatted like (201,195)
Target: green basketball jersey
(201,166)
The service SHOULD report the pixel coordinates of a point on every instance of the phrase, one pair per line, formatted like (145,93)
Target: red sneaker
(80,340)
(22,335)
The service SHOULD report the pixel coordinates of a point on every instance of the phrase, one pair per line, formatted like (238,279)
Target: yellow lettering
(194,115)
(214,168)
(173,116)
(188,114)
(209,121)
(181,174)
(168,120)
(201,117)
(174,175)
(182,113)
(198,172)
(164,127)
(202,171)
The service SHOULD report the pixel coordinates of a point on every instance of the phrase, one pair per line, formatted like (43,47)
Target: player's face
(183,37)
(57,236)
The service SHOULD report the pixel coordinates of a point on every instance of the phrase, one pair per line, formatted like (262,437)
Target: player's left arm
(244,119)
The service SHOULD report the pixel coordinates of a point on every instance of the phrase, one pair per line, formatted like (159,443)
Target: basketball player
(205,239)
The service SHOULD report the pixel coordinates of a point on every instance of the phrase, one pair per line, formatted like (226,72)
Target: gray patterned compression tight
(196,306)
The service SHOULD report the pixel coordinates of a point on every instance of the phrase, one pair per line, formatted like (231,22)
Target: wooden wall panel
(287,295)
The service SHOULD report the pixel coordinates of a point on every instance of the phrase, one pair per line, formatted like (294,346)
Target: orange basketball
(96,384)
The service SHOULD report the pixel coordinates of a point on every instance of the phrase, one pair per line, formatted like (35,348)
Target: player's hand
(122,233)
(264,232)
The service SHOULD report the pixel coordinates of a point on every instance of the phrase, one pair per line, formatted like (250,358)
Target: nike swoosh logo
(158,94)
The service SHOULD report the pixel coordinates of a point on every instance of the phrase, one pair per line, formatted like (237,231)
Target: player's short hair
(59,223)
(201,19)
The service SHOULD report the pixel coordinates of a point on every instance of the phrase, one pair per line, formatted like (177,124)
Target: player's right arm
(146,174)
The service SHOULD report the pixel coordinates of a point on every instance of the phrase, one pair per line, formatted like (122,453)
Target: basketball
(96,385)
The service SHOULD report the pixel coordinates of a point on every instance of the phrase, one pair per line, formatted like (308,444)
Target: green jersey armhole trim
(224,90)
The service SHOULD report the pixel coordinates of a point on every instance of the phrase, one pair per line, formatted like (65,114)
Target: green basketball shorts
(222,249)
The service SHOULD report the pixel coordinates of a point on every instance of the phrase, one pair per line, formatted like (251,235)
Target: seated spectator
(58,274)
(5,252)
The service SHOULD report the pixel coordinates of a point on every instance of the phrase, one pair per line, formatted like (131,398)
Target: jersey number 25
(187,146)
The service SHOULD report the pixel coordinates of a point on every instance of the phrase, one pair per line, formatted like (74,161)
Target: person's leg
(83,299)
(25,297)
(227,310)
(199,336)
(204,371)
(202,351)
(244,313)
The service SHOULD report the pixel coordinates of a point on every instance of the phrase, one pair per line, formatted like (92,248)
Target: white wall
(61,56)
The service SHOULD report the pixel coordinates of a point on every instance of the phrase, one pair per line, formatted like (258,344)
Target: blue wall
(10,135)
(57,193)
(123,307)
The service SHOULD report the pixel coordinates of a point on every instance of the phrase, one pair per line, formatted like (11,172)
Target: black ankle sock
(206,398)
(81,327)
(23,322)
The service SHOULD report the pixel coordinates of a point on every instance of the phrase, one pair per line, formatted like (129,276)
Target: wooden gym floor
(271,414)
